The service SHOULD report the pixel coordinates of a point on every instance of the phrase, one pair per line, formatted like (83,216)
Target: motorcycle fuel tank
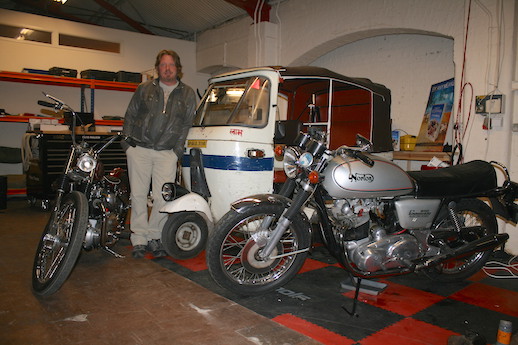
(351,178)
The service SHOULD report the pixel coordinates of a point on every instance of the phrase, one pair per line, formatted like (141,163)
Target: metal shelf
(32,78)
(421,155)
(92,84)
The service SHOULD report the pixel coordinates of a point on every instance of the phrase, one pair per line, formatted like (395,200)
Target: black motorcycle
(374,218)
(89,210)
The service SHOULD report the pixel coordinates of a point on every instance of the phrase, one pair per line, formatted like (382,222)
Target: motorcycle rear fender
(191,202)
(503,204)
(245,204)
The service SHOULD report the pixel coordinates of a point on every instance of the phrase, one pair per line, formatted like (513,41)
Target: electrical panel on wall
(489,104)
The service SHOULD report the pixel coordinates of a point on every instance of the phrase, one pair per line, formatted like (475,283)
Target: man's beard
(168,78)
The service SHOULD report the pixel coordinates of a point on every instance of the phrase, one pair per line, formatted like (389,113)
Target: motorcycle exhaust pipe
(480,245)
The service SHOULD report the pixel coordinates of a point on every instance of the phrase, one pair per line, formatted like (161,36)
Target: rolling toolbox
(49,155)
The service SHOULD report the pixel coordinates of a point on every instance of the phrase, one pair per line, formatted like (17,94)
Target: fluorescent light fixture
(62,1)
(24,33)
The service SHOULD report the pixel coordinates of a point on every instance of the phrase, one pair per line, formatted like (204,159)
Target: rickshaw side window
(242,102)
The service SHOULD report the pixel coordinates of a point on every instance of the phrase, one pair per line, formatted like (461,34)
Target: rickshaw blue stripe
(233,163)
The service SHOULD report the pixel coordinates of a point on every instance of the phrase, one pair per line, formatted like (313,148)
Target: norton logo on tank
(361,178)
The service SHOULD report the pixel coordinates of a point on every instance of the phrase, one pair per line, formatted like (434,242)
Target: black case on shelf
(98,75)
(63,72)
(129,77)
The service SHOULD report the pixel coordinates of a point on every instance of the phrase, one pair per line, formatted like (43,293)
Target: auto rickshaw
(241,117)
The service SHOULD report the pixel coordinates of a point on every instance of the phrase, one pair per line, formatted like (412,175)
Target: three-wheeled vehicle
(242,115)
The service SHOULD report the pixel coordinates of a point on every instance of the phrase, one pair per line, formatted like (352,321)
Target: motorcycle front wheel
(184,235)
(232,253)
(470,213)
(60,244)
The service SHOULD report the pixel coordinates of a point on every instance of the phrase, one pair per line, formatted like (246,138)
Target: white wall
(393,61)
(138,52)
(407,45)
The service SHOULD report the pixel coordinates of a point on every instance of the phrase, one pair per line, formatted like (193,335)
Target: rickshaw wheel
(184,235)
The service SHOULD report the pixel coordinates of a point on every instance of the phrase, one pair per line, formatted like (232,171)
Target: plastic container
(504,333)
(407,142)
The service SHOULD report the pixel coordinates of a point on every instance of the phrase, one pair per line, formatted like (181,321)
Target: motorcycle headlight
(291,157)
(86,163)
(168,191)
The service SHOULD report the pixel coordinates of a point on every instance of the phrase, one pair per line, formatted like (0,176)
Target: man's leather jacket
(152,125)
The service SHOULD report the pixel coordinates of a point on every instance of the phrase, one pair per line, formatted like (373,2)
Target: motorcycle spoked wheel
(232,253)
(184,235)
(60,245)
(470,212)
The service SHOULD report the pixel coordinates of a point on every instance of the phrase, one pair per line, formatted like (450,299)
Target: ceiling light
(24,33)
(62,1)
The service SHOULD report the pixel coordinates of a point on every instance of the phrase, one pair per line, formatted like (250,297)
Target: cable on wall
(257,33)
(491,84)
(279,33)
(459,118)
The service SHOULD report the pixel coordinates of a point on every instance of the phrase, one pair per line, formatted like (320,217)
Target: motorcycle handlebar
(356,154)
(364,159)
(46,104)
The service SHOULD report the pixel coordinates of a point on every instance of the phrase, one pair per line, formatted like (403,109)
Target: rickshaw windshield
(240,102)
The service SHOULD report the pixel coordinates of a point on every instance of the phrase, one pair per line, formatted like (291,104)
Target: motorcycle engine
(108,212)
(349,214)
(382,252)
(370,247)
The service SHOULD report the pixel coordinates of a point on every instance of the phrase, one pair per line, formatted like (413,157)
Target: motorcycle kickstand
(355,300)
(110,251)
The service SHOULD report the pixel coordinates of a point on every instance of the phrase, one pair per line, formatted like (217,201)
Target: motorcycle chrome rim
(55,243)
(239,257)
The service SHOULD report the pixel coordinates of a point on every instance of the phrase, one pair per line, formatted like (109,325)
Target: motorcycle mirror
(364,143)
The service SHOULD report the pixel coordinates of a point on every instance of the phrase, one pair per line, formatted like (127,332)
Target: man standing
(157,120)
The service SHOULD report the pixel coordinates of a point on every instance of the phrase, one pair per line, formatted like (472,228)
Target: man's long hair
(176,59)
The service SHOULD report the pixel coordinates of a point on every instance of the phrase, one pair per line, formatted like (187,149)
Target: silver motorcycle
(376,219)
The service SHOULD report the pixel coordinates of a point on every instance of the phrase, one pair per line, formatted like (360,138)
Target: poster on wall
(432,133)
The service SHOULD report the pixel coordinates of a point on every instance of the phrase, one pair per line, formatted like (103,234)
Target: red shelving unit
(66,81)
(93,84)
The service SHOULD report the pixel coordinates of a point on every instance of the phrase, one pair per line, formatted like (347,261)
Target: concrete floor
(115,301)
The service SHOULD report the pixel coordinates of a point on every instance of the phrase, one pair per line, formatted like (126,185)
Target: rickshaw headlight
(168,191)
(86,163)
(291,157)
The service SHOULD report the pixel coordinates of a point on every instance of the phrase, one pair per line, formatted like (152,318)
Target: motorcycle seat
(475,177)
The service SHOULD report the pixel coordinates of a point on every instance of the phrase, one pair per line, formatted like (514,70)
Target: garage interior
(109,300)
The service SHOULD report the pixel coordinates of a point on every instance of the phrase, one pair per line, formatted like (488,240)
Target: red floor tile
(310,265)
(399,299)
(311,330)
(409,332)
(195,264)
(489,297)
(478,276)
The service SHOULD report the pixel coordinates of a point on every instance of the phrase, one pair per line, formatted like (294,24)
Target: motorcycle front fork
(269,243)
